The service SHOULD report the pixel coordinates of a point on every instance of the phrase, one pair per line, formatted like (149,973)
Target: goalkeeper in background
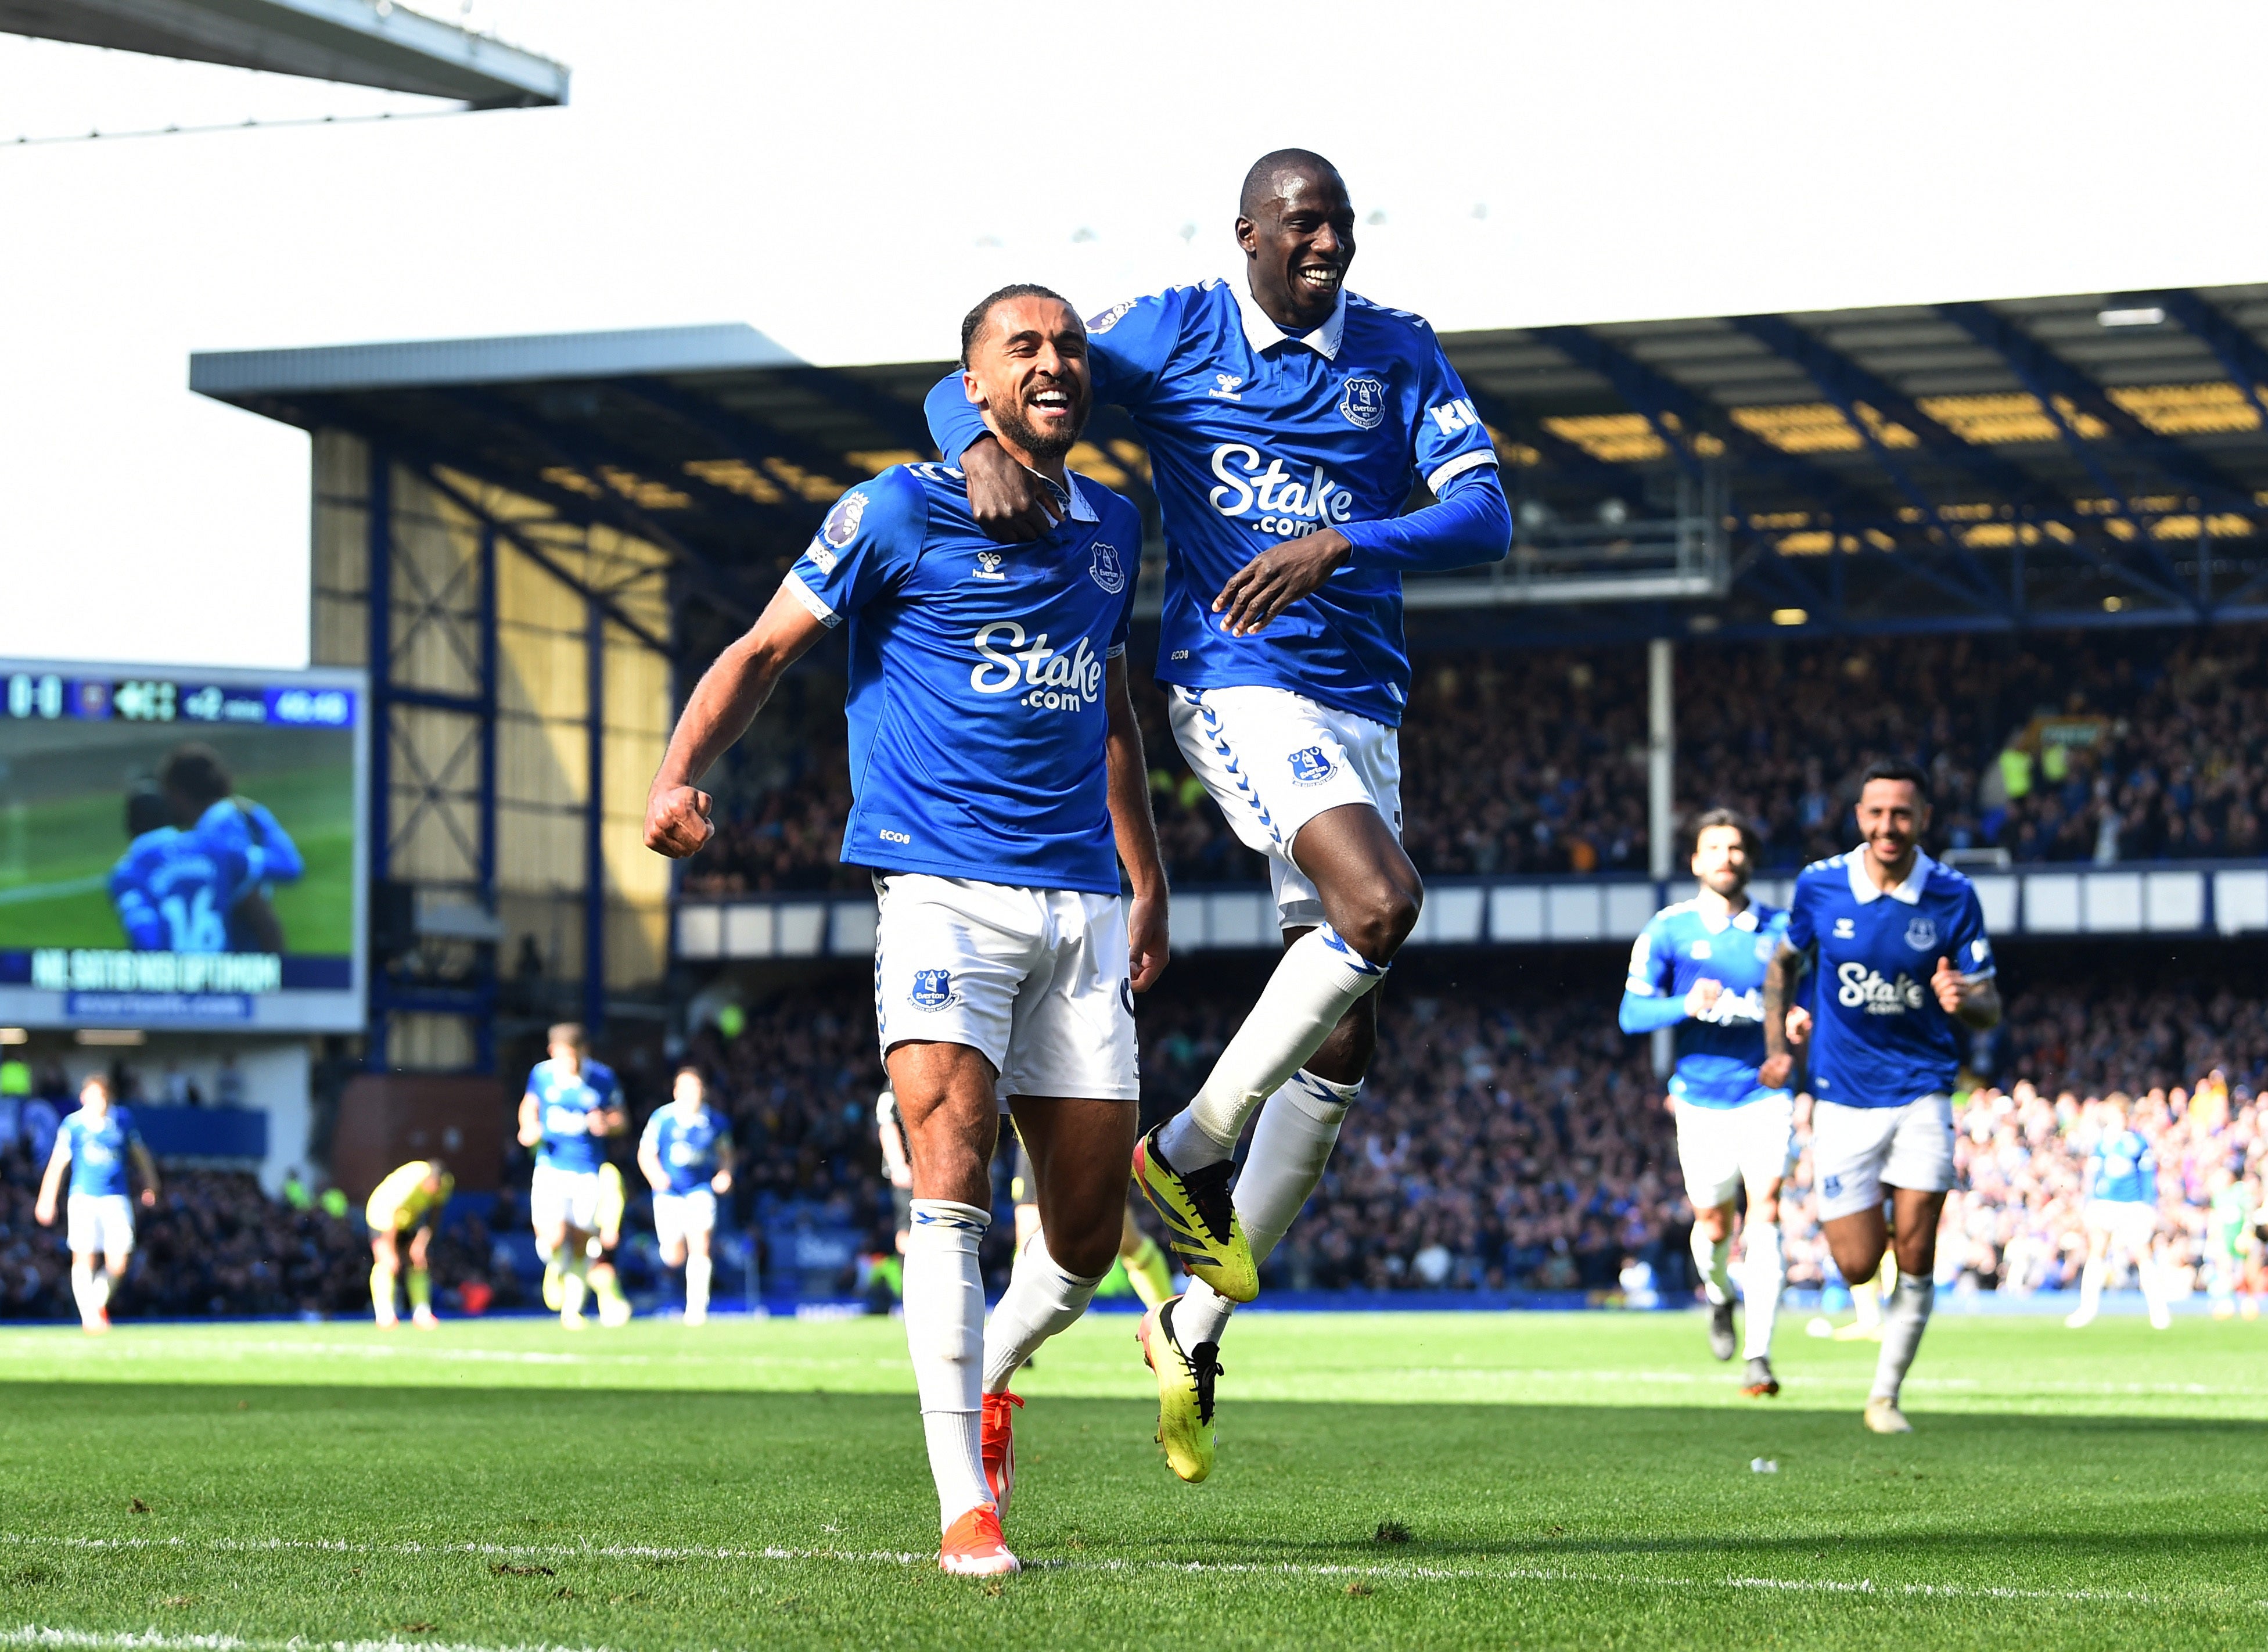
(409,1202)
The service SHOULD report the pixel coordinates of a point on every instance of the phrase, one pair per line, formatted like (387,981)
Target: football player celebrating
(1288,421)
(2121,1183)
(94,1146)
(410,1201)
(687,1153)
(1699,967)
(572,1104)
(1886,922)
(999,763)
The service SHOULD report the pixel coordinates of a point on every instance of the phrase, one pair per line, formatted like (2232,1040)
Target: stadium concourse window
(2099,746)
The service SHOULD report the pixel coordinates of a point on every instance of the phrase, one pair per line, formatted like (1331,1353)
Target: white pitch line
(1252,1568)
(39,1635)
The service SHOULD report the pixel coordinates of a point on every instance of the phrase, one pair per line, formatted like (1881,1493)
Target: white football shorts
(99,1223)
(1858,1151)
(1720,1147)
(568,1197)
(676,1215)
(1274,760)
(1035,980)
(2131,1222)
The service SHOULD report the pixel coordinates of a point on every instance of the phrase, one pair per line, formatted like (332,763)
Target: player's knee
(1376,918)
(1088,1256)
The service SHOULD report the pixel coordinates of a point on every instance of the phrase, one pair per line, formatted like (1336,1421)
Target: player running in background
(687,1153)
(1885,924)
(1287,423)
(2230,1214)
(1699,967)
(606,1280)
(999,761)
(571,1105)
(409,1201)
(2121,1212)
(94,1145)
(1147,1270)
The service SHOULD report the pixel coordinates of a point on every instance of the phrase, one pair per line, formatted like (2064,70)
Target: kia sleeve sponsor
(1450,436)
(1969,949)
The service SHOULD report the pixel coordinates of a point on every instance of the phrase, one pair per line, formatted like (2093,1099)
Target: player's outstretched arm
(1136,829)
(648,1164)
(531,1120)
(51,1183)
(1779,992)
(723,704)
(147,1168)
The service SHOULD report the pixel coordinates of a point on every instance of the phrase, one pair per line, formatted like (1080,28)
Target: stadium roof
(2091,459)
(361,42)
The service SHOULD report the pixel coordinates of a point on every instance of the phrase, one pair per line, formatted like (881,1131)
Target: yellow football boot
(1200,1222)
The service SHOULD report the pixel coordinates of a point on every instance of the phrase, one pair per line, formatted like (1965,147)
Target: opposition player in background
(686,1155)
(1885,924)
(1288,422)
(2121,1213)
(998,764)
(570,1106)
(94,1145)
(408,1202)
(196,873)
(1147,1270)
(2230,1213)
(1698,966)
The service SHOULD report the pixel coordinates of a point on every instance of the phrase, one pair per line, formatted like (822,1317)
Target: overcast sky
(847,178)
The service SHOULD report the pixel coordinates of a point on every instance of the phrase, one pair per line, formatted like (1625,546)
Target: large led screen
(181,848)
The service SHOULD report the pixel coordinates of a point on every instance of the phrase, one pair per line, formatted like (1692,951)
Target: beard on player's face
(1045,415)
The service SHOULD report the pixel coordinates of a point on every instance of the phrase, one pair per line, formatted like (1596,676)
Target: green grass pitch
(1563,1481)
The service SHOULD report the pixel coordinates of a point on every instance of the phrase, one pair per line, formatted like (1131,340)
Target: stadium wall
(498,648)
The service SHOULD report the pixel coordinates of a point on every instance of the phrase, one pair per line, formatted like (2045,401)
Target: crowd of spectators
(2093,746)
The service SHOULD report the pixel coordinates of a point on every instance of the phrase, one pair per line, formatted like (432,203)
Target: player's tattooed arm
(1779,992)
(1278,577)
(722,706)
(1135,829)
(1973,1002)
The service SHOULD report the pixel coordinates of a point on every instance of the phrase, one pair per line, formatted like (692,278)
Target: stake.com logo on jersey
(1057,681)
(1293,508)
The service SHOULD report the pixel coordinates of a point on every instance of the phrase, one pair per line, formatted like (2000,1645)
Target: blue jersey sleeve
(138,915)
(1127,346)
(1970,948)
(275,857)
(649,1138)
(1803,915)
(865,549)
(1452,440)
(1647,1004)
(1471,524)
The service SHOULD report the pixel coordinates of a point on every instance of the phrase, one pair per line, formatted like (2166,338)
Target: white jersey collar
(1260,332)
(1862,886)
(1080,508)
(1718,923)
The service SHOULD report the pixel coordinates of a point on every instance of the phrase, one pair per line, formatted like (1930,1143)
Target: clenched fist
(677,822)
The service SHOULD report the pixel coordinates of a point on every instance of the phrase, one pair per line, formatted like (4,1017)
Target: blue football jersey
(977,722)
(1879,1037)
(1719,1053)
(1256,436)
(247,836)
(177,891)
(565,1102)
(688,1148)
(97,1152)
(2124,1169)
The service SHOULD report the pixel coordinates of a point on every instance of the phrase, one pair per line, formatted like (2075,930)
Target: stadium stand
(2101,746)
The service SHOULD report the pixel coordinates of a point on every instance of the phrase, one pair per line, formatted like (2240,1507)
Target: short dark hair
(1750,844)
(1260,181)
(1896,769)
(973,323)
(566,1032)
(195,773)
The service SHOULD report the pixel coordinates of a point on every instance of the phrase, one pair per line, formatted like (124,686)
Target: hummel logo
(987,565)
(1224,386)
(1843,929)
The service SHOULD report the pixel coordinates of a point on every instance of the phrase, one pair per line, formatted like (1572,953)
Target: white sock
(1042,1298)
(574,1278)
(82,1294)
(1317,980)
(1291,1148)
(1763,1270)
(1866,1302)
(2090,1285)
(1902,1324)
(945,1335)
(101,1283)
(1713,1256)
(2147,1277)
(698,1269)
